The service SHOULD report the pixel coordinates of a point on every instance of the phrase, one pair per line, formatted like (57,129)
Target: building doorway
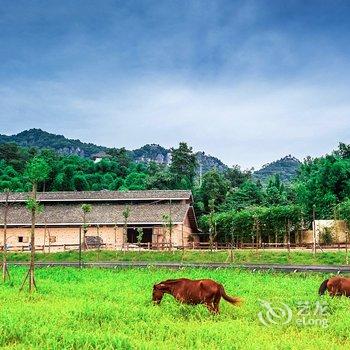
(146,238)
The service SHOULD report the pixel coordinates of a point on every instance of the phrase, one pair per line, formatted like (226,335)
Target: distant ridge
(150,152)
(42,139)
(286,167)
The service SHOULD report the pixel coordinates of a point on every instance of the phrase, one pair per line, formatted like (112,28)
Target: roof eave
(90,223)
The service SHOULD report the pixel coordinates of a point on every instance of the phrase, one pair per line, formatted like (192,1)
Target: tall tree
(122,157)
(343,150)
(236,176)
(248,194)
(275,191)
(36,172)
(183,165)
(213,190)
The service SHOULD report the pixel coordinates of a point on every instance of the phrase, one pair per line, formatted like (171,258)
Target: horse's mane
(174,280)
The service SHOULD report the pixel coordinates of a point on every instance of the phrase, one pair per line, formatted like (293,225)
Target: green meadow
(112,309)
(238,257)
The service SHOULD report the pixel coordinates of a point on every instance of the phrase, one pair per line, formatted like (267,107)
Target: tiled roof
(88,196)
(102,213)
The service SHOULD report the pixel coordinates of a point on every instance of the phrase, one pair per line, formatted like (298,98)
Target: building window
(23,239)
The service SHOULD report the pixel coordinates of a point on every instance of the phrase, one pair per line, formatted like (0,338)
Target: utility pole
(170,226)
(5,272)
(314,229)
(80,246)
(34,210)
(45,233)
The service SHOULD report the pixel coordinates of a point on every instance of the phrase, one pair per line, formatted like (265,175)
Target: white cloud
(248,123)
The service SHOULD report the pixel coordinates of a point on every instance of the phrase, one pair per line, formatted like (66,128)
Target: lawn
(239,256)
(112,309)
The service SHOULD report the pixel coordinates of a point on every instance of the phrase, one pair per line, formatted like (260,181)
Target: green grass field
(240,256)
(112,309)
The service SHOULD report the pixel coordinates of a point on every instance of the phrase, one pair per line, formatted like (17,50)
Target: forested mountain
(286,168)
(42,139)
(150,153)
(209,162)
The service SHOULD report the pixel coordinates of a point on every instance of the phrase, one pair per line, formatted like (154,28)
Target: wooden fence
(216,246)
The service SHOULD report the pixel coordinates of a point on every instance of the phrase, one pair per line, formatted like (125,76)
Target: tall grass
(112,309)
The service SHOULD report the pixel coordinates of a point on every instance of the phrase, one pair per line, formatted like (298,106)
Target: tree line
(115,172)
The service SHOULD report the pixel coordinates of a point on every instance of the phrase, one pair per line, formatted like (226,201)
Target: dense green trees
(256,224)
(250,211)
(115,172)
(324,182)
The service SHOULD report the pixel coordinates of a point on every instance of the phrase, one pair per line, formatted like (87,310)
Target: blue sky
(246,81)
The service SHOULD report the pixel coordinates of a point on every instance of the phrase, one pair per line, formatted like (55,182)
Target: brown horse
(207,292)
(336,286)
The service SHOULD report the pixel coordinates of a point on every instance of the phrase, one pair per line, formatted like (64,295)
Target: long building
(61,220)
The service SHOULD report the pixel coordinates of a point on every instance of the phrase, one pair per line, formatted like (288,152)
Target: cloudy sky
(246,81)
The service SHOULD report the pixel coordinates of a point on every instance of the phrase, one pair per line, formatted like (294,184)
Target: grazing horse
(207,292)
(336,286)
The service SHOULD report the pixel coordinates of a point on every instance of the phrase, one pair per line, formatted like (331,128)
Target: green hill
(287,168)
(42,139)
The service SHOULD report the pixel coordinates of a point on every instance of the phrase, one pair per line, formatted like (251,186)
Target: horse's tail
(232,300)
(323,287)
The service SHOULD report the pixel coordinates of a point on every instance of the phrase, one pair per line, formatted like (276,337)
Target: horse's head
(158,292)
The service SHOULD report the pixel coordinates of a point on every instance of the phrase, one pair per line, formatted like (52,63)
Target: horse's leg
(216,308)
(209,303)
(212,304)
(211,307)
(216,303)
(332,291)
